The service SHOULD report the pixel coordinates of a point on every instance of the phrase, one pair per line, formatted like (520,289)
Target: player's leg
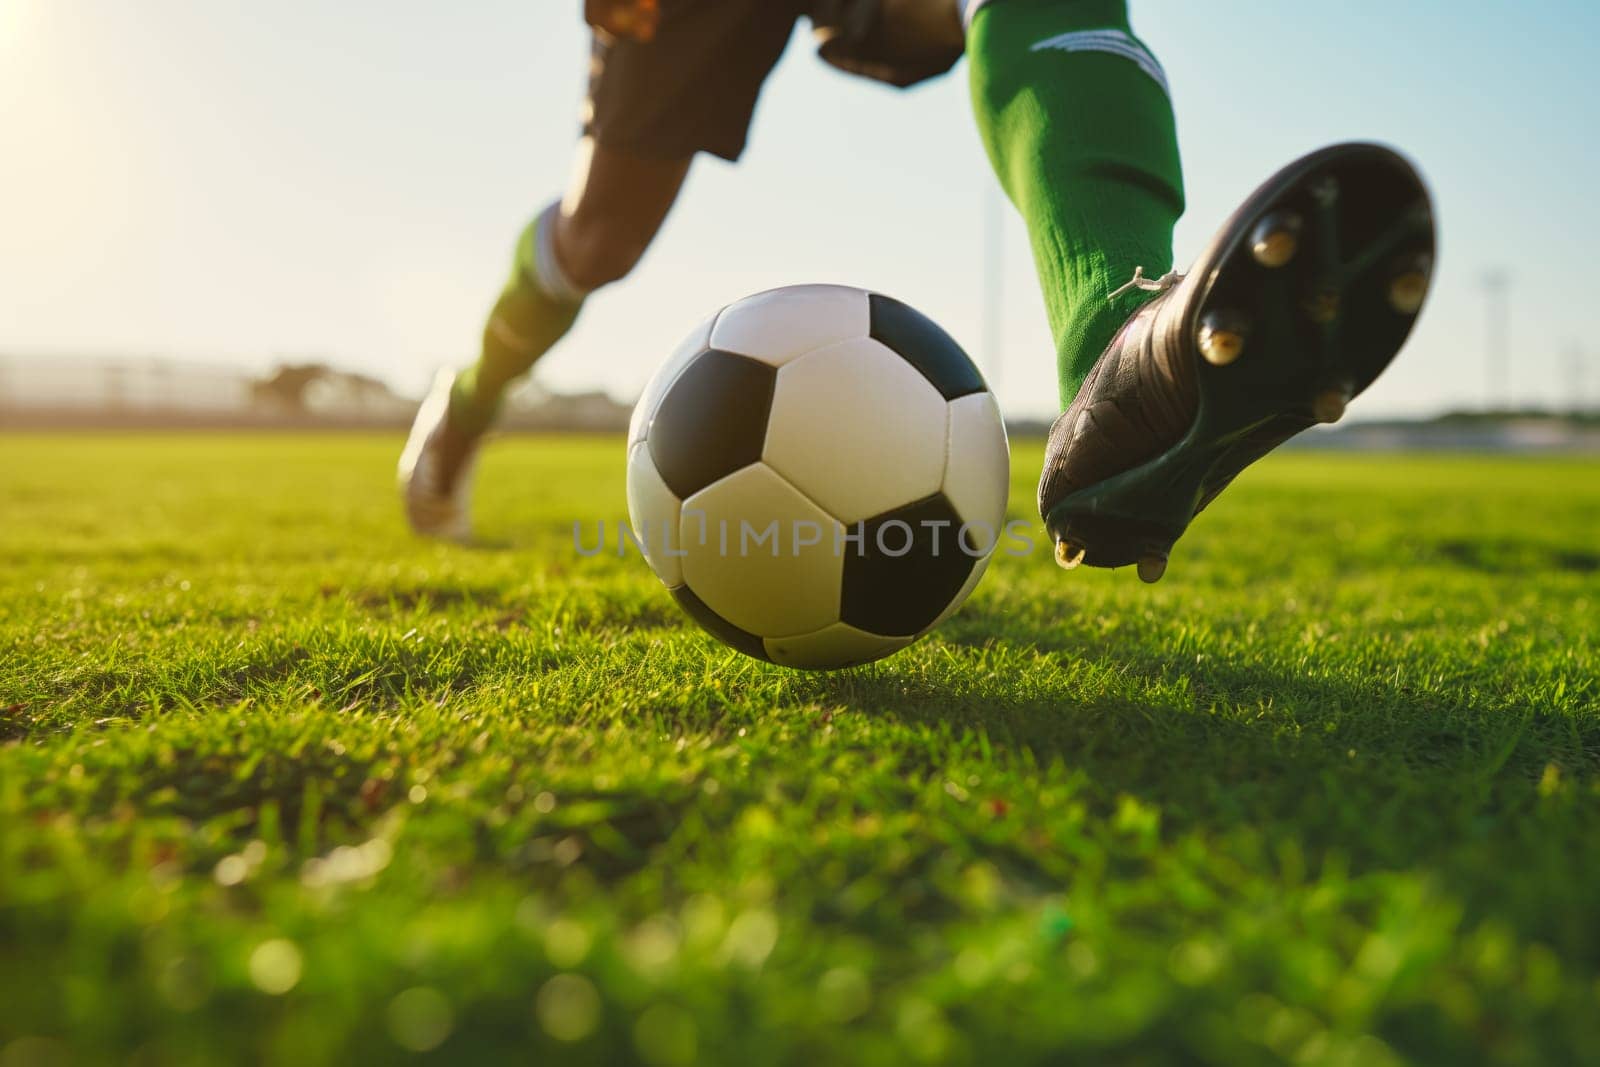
(1075,114)
(1316,279)
(692,87)
(593,236)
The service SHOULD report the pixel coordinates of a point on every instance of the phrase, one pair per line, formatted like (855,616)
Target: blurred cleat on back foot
(1296,305)
(436,469)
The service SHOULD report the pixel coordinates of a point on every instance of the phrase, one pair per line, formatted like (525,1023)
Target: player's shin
(1075,115)
(537,306)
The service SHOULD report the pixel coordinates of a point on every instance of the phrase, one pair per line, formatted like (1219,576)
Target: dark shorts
(694,87)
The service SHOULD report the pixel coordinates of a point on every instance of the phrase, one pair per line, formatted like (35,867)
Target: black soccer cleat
(1300,300)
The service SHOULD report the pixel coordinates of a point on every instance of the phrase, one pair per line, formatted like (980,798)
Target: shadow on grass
(1378,776)
(1517,557)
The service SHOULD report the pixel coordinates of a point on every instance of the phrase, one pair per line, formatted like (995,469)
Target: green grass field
(280,784)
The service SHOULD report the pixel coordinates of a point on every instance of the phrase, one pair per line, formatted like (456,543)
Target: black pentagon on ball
(712,421)
(743,640)
(897,580)
(922,343)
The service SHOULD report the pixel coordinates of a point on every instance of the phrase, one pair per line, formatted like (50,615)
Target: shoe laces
(1149,285)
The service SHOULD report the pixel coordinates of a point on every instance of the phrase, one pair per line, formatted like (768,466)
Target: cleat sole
(1328,314)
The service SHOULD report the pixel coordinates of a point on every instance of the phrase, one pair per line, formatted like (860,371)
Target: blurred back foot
(436,469)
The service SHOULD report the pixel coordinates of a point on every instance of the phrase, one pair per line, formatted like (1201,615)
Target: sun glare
(14,18)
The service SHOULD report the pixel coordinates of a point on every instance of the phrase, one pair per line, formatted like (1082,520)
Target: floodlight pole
(1576,399)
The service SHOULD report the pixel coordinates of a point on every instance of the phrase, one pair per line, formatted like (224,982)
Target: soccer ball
(818,474)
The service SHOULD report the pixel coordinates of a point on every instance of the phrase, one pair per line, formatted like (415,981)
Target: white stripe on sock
(551,278)
(1112,42)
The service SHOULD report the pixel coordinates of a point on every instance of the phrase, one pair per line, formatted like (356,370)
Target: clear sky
(239,182)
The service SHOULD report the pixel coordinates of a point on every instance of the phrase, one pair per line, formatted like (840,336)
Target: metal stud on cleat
(1329,405)
(1221,337)
(1069,554)
(1151,568)
(1410,285)
(1276,238)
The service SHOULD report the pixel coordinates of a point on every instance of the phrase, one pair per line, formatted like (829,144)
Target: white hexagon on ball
(783,324)
(857,429)
(977,476)
(746,557)
(653,515)
(839,645)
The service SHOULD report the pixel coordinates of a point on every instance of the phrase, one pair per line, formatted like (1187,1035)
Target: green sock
(526,320)
(1075,115)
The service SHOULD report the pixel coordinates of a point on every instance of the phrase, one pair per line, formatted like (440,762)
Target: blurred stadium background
(134,392)
(214,200)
